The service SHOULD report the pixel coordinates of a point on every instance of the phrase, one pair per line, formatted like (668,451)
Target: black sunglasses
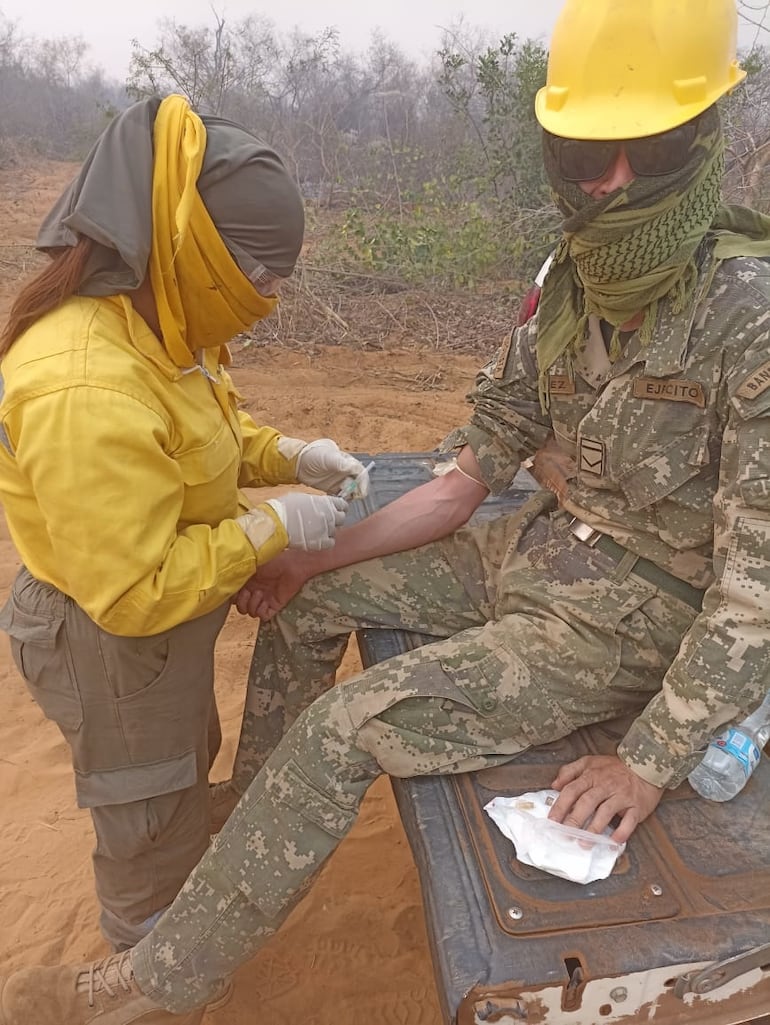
(585,160)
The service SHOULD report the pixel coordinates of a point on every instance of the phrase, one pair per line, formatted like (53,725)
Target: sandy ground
(355,950)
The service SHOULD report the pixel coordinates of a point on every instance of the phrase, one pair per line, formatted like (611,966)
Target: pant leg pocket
(34,618)
(128,783)
(151,825)
(476,674)
(171,708)
(280,835)
(441,671)
(138,807)
(163,686)
(498,683)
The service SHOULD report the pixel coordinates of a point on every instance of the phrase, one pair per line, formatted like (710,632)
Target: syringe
(348,489)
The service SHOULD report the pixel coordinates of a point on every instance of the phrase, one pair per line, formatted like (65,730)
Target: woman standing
(122,451)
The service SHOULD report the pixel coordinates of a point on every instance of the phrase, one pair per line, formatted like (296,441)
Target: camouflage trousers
(536,635)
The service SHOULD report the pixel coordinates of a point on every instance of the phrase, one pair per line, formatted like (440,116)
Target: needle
(348,489)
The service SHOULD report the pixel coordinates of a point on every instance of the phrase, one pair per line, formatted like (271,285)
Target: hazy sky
(108,26)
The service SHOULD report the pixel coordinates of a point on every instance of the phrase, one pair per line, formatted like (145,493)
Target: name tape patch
(670,391)
(560,384)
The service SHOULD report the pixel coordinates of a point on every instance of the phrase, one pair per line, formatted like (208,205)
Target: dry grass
(340,308)
(320,305)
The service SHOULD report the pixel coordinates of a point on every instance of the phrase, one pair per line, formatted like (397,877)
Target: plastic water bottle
(732,756)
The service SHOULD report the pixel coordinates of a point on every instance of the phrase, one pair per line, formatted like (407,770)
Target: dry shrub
(328,307)
(323,304)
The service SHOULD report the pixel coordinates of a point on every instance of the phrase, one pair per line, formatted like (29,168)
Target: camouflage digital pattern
(537,633)
(671,454)
(535,637)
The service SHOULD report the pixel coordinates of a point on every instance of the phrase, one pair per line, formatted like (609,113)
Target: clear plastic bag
(563,851)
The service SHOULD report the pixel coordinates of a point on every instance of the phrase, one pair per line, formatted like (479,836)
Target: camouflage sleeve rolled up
(507,424)
(722,670)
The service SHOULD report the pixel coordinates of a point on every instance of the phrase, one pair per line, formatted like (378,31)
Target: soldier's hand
(596,788)
(553,469)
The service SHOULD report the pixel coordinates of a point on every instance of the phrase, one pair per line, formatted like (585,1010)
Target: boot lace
(109,975)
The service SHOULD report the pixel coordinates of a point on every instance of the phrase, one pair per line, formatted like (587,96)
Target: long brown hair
(47,290)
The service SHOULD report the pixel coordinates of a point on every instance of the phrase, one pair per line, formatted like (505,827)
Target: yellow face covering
(202,296)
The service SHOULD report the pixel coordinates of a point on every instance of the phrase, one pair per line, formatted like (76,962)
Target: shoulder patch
(502,357)
(592,457)
(756,384)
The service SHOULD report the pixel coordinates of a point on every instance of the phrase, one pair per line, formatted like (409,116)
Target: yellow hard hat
(623,69)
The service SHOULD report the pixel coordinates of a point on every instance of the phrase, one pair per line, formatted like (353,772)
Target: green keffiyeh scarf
(621,254)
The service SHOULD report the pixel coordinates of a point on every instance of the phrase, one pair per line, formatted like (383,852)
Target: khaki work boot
(102,993)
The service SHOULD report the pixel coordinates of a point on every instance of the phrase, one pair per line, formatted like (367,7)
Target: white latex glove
(322,464)
(310,520)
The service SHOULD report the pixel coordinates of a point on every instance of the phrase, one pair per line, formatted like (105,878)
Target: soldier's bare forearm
(425,514)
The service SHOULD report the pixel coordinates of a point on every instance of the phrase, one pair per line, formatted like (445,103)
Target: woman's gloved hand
(310,521)
(323,465)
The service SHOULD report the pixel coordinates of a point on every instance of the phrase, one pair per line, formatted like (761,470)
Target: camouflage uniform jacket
(671,450)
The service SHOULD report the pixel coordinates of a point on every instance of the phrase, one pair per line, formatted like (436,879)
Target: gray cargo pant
(536,635)
(139,716)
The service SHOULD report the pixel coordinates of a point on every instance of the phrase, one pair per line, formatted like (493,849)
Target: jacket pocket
(667,470)
(209,475)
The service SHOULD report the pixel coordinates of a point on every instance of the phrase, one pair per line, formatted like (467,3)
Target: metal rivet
(619,995)
(656,890)
(515,914)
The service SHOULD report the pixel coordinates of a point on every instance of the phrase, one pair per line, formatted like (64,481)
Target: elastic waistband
(644,568)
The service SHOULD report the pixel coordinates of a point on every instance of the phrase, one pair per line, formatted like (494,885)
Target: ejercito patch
(670,391)
(757,383)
